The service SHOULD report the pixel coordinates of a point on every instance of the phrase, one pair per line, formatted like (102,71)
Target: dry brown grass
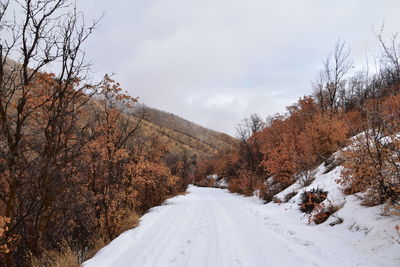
(180,194)
(96,245)
(67,256)
(128,222)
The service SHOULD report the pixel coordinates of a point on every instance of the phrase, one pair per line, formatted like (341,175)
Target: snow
(219,182)
(212,227)
(367,228)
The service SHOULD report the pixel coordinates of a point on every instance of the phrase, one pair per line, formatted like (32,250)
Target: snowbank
(368,228)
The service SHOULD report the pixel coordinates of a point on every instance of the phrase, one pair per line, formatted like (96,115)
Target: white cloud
(217,61)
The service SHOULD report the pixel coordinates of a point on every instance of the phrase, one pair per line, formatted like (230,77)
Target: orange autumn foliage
(324,134)
(271,159)
(372,160)
(83,169)
(7,242)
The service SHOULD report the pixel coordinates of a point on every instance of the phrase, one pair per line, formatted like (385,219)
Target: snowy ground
(211,227)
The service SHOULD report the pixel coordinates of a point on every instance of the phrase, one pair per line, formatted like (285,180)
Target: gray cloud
(217,61)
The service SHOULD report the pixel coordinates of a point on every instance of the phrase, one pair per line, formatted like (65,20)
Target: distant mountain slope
(181,136)
(182,133)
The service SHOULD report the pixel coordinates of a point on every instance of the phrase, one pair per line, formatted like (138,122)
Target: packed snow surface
(212,227)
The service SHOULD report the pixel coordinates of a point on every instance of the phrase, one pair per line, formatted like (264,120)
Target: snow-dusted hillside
(370,229)
(212,227)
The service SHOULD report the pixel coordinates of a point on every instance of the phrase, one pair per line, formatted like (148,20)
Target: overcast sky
(215,62)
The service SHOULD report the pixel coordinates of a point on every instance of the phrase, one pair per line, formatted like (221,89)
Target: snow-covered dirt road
(211,227)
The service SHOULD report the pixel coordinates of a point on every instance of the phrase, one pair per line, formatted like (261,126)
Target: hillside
(181,134)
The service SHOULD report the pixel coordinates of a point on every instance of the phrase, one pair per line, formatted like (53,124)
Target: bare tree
(249,126)
(49,34)
(331,80)
(250,148)
(390,55)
